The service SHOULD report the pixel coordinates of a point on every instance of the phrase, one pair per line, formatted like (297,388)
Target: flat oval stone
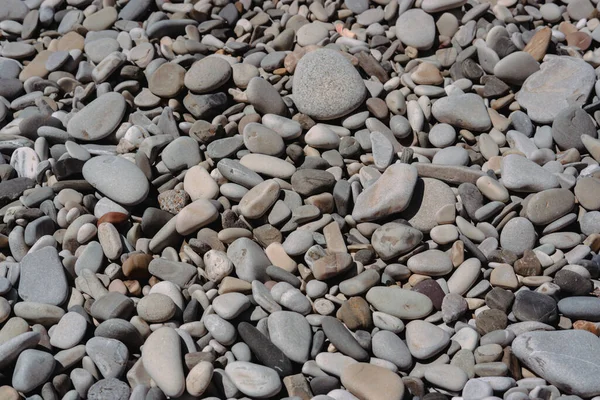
(162,359)
(322,94)
(566,359)
(429,197)
(117,178)
(425,340)
(400,303)
(109,355)
(42,278)
(522,175)
(264,97)
(447,377)
(549,205)
(416,28)
(156,307)
(568,127)
(370,381)
(580,307)
(33,368)
(253,380)
(195,216)
(258,200)
(291,332)
(430,263)
(518,235)
(167,80)
(260,139)
(99,118)
(207,75)
(388,346)
(69,332)
(463,111)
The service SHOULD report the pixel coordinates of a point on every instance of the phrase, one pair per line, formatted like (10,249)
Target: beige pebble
(199,184)
(492,189)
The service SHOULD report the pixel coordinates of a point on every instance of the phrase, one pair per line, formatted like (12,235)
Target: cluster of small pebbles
(299,199)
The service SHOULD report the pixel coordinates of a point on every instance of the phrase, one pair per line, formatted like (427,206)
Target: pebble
(98,119)
(326,96)
(565,359)
(161,357)
(253,379)
(391,193)
(117,178)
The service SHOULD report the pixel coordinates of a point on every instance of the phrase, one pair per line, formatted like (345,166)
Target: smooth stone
(222,330)
(370,381)
(400,303)
(195,215)
(447,377)
(181,153)
(109,355)
(425,340)
(207,75)
(260,139)
(580,307)
(463,111)
(253,379)
(568,127)
(99,118)
(162,359)
(291,332)
(264,350)
(342,339)
(390,194)
(118,390)
(516,67)
(522,175)
(69,331)
(388,346)
(199,184)
(33,368)
(230,305)
(451,156)
(566,359)
(117,178)
(156,308)
(324,95)
(561,82)
(10,349)
(465,276)
(249,260)
(518,235)
(534,306)
(430,263)
(42,278)
(549,205)
(416,28)
(265,98)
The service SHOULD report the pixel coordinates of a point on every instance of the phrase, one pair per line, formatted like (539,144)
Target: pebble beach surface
(299,199)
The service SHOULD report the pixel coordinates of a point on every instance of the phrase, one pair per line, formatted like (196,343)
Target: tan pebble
(117,286)
(492,189)
(279,257)
(199,378)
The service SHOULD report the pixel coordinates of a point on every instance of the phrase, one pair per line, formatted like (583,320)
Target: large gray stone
(117,178)
(560,82)
(98,119)
(566,359)
(43,278)
(326,86)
